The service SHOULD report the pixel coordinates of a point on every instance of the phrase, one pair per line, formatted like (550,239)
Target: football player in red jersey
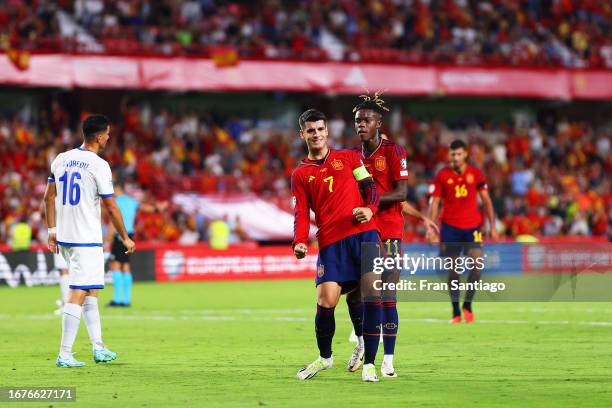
(386,161)
(340,191)
(458,187)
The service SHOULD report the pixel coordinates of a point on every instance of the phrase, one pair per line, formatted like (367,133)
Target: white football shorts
(59,263)
(85,266)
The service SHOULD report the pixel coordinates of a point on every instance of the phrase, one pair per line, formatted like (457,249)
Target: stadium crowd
(572,33)
(547,178)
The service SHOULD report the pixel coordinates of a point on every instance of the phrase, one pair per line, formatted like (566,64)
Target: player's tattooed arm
(490,212)
(370,195)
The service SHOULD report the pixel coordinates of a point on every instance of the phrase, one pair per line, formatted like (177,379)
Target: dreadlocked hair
(372,102)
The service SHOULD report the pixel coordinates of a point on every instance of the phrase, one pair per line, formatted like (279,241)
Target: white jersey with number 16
(81,178)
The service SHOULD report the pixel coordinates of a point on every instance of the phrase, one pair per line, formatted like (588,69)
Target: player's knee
(327,299)
(327,302)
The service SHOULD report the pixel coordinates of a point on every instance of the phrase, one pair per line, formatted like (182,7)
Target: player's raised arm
(48,205)
(301,213)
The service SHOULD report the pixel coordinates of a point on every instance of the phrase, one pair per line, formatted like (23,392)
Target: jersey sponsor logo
(403,163)
(469,178)
(337,164)
(380,164)
(321,271)
(323,170)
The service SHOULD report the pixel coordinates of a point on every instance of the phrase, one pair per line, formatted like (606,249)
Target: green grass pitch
(240,344)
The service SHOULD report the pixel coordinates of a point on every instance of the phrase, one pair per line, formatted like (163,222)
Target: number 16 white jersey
(81,178)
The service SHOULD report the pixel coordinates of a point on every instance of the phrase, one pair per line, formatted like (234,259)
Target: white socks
(388,359)
(70,326)
(64,288)
(92,321)
(360,341)
(71,319)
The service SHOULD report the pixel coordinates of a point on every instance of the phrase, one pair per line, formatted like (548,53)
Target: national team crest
(380,164)
(337,164)
(320,271)
(469,178)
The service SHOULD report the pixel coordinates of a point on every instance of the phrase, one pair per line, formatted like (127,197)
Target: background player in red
(458,187)
(341,193)
(386,161)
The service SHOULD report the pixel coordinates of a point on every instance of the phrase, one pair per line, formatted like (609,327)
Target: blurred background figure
(20,235)
(119,260)
(219,234)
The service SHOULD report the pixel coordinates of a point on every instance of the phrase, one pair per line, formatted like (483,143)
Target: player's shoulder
(299,169)
(343,152)
(348,154)
(390,147)
(444,172)
(59,157)
(473,169)
(99,162)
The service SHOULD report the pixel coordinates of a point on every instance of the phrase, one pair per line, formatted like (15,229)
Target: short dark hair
(312,115)
(458,144)
(94,124)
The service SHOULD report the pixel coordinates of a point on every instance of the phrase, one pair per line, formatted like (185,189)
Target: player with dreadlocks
(386,161)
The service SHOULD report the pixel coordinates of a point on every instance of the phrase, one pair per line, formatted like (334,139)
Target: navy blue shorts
(454,241)
(341,261)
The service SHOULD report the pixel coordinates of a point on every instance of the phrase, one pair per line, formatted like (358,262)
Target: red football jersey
(387,164)
(330,189)
(459,194)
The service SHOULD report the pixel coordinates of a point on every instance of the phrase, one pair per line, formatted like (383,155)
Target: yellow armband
(361,173)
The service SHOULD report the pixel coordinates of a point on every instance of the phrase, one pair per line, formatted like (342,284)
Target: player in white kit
(79,181)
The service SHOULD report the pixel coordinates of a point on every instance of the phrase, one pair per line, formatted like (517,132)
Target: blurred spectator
(219,233)
(567,33)
(21,235)
(520,178)
(555,185)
